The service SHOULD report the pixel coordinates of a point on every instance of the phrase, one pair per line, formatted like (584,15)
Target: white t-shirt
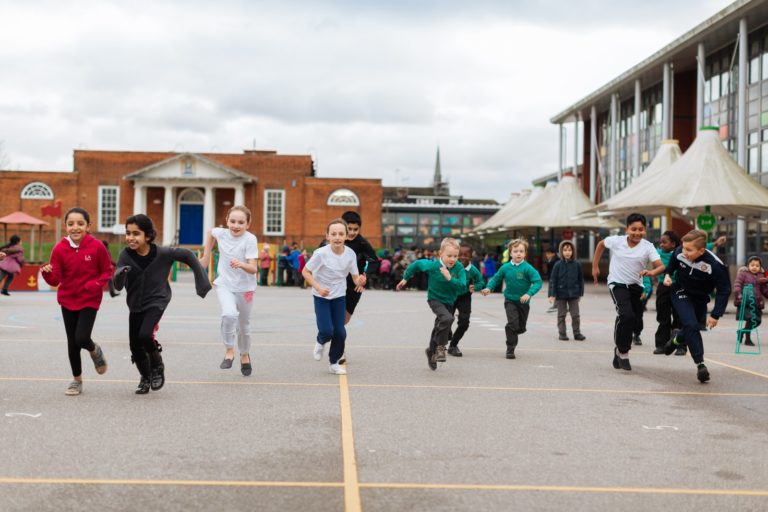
(243,248)
(330,270)
(627,262)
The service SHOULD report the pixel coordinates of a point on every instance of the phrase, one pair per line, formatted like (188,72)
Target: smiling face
(336,235)
(136,239)
(449,255)
(77,227)
(465,255)
(237,223)
(635,232)
(691,251)
(517,253)
(666,244)
(352,230)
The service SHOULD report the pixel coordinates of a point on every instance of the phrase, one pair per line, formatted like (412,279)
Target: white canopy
(494,220)
(706,175)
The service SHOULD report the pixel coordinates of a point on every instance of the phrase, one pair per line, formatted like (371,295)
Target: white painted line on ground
(13,414)
(12,326)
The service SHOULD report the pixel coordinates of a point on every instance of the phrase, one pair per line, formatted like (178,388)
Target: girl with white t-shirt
(326,272)
(236,281)
(630,256)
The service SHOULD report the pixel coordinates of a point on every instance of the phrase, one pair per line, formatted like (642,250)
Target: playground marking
(738,368)
(184,483)
(351,485)
(180,382)
(5,326)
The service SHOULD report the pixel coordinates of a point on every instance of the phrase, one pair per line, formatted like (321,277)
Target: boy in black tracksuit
(699,272)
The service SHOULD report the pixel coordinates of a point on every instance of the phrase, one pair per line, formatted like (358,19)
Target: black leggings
(141,327)
(78,325)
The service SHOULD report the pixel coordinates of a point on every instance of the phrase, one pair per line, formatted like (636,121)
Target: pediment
(188,167)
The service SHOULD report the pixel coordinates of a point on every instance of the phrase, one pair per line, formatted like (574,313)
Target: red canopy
(22,218)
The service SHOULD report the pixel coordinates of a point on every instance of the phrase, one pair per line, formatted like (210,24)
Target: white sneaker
(336,369)
(318,353)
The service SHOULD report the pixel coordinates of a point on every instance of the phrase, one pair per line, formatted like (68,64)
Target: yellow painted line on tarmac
(569,488)
(351,484)
(737,368)
(181,483)
(182,382)
(560,390)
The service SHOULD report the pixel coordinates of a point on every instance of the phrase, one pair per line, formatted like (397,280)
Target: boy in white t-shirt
(630,256)
(236,281)
(326,272)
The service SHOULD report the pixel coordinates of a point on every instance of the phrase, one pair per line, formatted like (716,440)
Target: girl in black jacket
(566,287)
(143,269)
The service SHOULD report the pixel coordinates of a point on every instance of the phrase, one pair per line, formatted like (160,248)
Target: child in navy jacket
(566,287)
(699,273)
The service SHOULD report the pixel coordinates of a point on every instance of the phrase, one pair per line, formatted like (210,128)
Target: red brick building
(188,193)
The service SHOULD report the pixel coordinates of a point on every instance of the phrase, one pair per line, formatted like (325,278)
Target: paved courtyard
(556,429)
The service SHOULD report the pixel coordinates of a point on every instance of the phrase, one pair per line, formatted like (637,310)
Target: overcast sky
(370,89)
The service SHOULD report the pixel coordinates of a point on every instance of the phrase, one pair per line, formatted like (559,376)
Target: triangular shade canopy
(494,221)
(22,218)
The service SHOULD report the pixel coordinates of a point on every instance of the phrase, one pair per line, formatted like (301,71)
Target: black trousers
(441,332)
(666,315)
(9,279)
(517,319)
(78,326)
(692,310)
(144,351)
(463,305)
(629,308)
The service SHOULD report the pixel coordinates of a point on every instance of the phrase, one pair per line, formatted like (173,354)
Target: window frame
(101,227)
(267,193)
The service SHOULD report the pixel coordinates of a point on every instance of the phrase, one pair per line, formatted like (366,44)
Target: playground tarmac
(558,428)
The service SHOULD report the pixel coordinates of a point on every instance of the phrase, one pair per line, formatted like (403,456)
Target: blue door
(191,224)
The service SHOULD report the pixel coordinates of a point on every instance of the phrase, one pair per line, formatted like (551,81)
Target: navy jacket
(700,277)
(566,280)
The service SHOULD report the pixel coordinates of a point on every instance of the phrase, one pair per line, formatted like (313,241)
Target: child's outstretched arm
(416,266)
(202,283)
(310,279)
(492,282)
(249,266)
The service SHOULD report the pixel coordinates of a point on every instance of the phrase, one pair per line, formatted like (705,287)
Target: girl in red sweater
(80,266)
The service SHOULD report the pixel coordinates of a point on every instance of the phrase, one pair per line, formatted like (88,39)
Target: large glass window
(274,212)
(109,207)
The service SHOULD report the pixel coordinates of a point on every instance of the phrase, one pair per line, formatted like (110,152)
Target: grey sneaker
(75,388)
(440,354)
(98,360)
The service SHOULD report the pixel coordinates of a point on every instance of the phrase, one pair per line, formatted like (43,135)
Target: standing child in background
(699,273)
(630,255)
(550,260)
(463,302)
(143,269)
(647,291)
(751,274)
(80,267)
(566,287)
(11,265)
(521,282)
(446,281)
(265,261)
(666,315)
(326,272)
(236,281)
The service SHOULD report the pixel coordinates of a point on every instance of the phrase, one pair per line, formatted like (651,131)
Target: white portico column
(169,222)
(139,198)
(239,195)
(209,211)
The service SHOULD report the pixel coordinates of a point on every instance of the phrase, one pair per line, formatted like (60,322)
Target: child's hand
(446,273)
(485,291)
(595,273)
(711,323)
(551,300)
(471,288)
(524,298)
(235,263)
(324,292)
(667,280)
(643,296)
(46,268)
(401,285)
(362,280)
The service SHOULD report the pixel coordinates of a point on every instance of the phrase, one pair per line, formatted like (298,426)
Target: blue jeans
(330,314)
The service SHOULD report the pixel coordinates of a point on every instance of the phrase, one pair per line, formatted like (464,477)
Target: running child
(521,282)
(236,281)
(566,287)
(446,281)
(143,268)
(80,266)
(463,302)
(699,273)
(630,255)
(751,274)
(666,316)
(326,272)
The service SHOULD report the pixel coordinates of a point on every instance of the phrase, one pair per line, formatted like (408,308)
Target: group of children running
(80,267)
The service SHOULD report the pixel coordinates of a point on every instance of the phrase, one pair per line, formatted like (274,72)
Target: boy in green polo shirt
(446,281)
(521,282)
(463,302)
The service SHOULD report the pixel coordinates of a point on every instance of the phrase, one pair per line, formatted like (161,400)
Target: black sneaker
(454,351)
(563,337)
(431,359)
(636,340)
(616,359)
(579,337)
(681,350)
(625,364)
(143,387)
(5,292)
(157,377)
(749,343)
(659,350)
(671,345)
(702,373)
(510,354)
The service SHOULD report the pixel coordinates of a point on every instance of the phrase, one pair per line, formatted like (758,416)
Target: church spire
(438,179)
